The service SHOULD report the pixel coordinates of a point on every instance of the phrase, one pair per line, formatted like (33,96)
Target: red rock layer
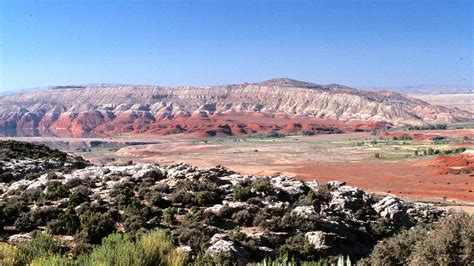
(100,124)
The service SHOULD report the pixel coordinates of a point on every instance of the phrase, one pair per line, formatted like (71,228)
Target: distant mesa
(276,105)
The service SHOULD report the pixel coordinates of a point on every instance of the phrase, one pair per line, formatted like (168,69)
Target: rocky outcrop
(320,240)
(275,105)
(213,211)
(390,208)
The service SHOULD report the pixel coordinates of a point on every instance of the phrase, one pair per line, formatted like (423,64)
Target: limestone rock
(390,208)
(320,240)
(288,184)
(304,211)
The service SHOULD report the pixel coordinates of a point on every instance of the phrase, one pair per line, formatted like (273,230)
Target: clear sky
(355,43)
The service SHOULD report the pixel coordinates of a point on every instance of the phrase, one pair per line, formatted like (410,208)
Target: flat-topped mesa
(284,105)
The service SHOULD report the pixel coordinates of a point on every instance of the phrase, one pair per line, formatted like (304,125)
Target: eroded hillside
(275,105)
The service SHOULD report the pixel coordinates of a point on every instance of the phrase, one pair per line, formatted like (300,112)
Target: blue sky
(355,43)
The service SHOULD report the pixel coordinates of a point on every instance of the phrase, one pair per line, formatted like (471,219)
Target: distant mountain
(281,104)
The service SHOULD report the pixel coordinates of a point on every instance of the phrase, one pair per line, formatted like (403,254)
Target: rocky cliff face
(279,104)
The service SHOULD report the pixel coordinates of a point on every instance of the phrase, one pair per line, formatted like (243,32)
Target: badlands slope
(275,105)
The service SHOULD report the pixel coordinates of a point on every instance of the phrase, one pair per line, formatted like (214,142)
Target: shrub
(306,200)
(218,259)
(55,190)
(134,223)
(8,254)
(396,250)
(194,217)
(78,197)
(19,150)
(32,195)
(157,246)
(169,215)
(243,217)
(241,193)
(116,249)
(324,193)
(203,198)
(67,223)
(262,185)
(297,246)
(154,248)
(192,235)
(96,226)
(448,243)
(10,210)
(155,198)
(123,194)
(24,223)
(43,215)
(55,260)
(42,246)
(182,197)
(6,177)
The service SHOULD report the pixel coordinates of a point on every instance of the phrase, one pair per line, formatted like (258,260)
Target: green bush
(55,260)
(297,246)
(396,250)
(243,217)
(67,223)
(12,149)
(218,259)
(241,193)
(155,198)
(262,185)
(8,254)
(55,190)
(157,246)
(203,198)
(154,248)
(169,215)
(42,246)
(448,243)
(95,226)
(182,197)
(78,197)
(10,210)
(292,261)
(24,223)
(39,217)
(116,249)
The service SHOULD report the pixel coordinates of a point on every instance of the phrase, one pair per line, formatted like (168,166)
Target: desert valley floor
(393,162)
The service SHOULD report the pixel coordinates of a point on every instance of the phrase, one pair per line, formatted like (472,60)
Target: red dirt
(409,179)
(456,164)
